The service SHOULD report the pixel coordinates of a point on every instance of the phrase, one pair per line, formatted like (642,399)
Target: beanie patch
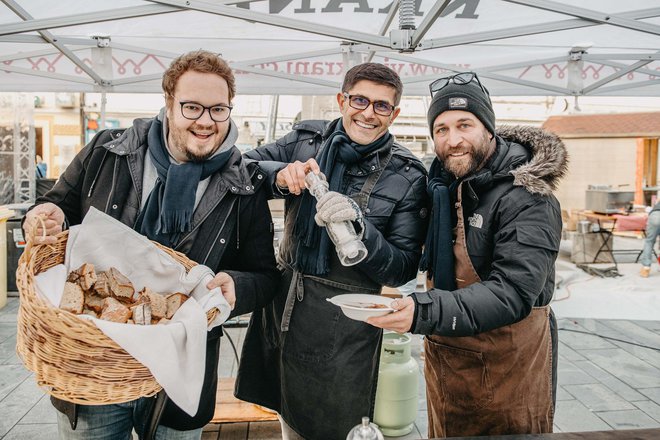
(460,102)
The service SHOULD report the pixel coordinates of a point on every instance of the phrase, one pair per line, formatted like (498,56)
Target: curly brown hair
(374,72)
(199,61)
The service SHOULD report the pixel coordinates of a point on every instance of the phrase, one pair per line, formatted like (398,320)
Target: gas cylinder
(398,385)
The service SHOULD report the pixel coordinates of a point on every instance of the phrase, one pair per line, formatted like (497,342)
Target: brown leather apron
(494,383)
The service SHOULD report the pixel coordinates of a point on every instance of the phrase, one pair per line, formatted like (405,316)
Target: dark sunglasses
(460,79)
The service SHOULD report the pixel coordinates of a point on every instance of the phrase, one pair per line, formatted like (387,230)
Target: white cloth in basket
(175,353)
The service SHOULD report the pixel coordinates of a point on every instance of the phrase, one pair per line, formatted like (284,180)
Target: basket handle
(29,243)
(211,314)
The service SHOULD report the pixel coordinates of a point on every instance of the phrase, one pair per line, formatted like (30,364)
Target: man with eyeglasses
(178,179)
(302,357)
(491,337)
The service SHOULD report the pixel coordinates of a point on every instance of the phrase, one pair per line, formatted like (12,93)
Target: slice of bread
(84,276)
(156,301)
(141,314)
(102,286)
(174,301)
(73,298)
(93,301)
(120,286)
(115,311)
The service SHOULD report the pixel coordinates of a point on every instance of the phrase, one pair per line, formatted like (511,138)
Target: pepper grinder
(348,245)
(365,431)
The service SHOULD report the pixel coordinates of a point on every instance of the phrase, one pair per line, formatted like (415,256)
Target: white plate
(356,305)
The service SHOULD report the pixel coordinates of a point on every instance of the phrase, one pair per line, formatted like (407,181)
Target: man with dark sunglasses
(491,337)
(178,179)
(302,357)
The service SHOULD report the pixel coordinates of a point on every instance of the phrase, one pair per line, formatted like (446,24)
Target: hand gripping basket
(70,357)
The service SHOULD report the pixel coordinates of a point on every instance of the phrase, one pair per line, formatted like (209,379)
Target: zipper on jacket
(217,235)
(98,171)
(238,224)
(112,190)
(183,239)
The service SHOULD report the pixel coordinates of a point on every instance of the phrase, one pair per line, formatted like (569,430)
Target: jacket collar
(535,159)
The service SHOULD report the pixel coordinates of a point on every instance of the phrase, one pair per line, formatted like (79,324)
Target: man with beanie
(491,337)
(301,356)
(178,179)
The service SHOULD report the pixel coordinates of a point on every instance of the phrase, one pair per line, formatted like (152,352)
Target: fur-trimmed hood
(549,159)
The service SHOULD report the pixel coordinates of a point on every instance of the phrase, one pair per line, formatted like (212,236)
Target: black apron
(304,359)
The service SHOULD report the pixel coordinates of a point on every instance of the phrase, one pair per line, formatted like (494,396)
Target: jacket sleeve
(254,271)
(274,157)
(526,245)
(394,254)
(67,191)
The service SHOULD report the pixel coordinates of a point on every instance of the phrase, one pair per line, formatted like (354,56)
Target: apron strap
(296,289)
(362,198)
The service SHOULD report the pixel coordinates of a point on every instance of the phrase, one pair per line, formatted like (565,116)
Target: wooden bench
(228,409)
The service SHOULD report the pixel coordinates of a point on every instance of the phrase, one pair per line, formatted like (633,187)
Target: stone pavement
(609,379)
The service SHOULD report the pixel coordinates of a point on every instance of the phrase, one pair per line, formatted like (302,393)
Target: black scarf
(438,256)
(169,207)
(335,154)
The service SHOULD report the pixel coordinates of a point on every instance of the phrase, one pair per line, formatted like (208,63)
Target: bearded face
(462,142)
(197,139)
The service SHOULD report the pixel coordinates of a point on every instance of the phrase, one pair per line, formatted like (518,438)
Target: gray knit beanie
(467,97)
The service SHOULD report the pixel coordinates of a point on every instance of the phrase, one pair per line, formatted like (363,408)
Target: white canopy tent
(301,47)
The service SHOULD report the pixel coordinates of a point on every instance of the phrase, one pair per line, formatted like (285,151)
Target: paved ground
(609,379)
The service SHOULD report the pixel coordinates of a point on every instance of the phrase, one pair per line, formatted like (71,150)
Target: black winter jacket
(513,230)
(398,207)
(231,230)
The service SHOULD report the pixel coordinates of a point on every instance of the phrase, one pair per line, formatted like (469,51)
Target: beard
(460,167)
(179,140)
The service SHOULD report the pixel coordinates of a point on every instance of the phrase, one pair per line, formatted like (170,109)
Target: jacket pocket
(379,211)
(480,249)
(538,236)
(313,326)
(464,378)
(318,330)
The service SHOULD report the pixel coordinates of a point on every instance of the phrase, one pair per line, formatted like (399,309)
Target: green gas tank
(398,386)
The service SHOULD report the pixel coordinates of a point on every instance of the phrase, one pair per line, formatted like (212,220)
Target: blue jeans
(652,232)
(116,422)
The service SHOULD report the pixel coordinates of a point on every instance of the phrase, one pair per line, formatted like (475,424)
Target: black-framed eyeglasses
(460,79)
(193,111)
(359,102)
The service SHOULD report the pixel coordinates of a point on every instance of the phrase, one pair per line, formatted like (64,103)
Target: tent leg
(272,119)
(103,102)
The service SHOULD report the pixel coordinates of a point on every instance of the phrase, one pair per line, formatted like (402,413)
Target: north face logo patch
(476,221)
(458,103)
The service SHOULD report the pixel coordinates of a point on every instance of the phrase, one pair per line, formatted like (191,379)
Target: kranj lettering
(462,8)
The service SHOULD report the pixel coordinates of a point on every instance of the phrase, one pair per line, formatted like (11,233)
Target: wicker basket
(70,357)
